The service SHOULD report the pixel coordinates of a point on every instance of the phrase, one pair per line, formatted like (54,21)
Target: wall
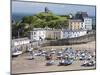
(77,40)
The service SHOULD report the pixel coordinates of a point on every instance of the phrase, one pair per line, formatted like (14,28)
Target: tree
(15,29)
(40,20)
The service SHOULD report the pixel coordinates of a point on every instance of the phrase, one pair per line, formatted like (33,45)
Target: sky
(59,9)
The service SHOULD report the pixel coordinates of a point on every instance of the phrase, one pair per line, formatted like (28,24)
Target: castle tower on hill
(46,10)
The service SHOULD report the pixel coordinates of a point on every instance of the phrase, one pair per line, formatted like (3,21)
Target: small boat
(16,53)
(49,63)
(65,62)
(89,63)
(60,56)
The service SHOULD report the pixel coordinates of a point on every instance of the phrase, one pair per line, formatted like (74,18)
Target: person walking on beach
(30,49)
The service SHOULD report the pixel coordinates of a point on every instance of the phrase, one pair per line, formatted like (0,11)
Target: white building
(87,23)
(44,33)
(37,34)
(41,34)
(20,41)
(72,33)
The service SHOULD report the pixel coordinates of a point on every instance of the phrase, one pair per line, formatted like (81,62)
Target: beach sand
(22,64)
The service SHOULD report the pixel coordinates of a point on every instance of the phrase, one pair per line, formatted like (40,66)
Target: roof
(83,14)
(75,20)
(87,17)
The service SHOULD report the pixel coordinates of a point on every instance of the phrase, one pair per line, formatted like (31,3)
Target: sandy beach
(89,46)
(22,64)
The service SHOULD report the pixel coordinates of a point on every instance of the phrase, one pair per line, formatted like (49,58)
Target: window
(82,25)
(78,22)
(85,26)
(78,26)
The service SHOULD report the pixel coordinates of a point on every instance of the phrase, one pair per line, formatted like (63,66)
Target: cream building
(75,24)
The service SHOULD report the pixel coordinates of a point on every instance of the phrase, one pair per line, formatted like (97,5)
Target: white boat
(17,53)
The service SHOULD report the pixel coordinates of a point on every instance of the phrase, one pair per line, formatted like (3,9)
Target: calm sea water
(19,16)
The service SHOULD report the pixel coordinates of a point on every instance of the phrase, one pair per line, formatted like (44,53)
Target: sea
(19,16)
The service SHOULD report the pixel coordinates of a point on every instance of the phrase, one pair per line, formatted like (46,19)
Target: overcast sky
(33,8)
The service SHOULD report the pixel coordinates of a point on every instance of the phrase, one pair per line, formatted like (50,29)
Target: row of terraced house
(78,26)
